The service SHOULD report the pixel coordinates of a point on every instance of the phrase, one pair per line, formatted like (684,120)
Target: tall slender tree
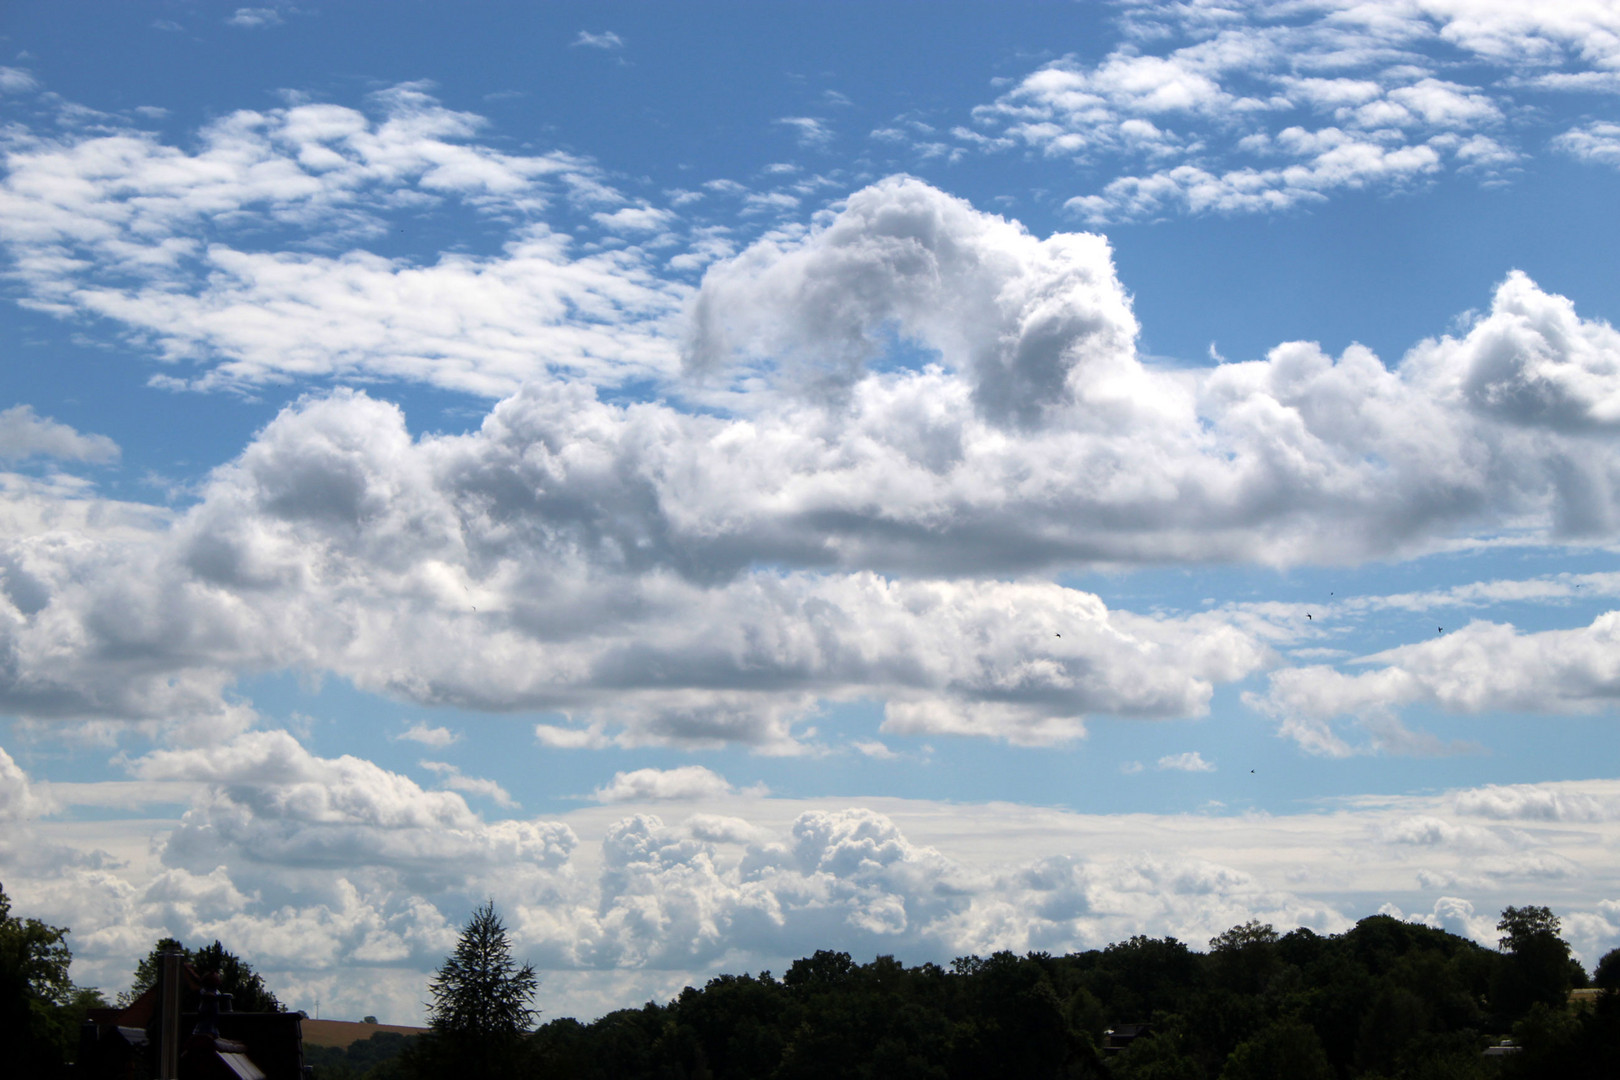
(480,1009)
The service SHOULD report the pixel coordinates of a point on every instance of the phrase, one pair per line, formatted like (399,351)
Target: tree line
(1385,1000)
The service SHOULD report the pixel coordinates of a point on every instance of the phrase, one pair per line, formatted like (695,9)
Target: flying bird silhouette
(1308,616)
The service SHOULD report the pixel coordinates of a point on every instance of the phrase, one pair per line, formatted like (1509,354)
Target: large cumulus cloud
(1030,323)
(707,576)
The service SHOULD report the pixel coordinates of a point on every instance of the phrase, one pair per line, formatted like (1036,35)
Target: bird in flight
(1439,629)
(1308,616)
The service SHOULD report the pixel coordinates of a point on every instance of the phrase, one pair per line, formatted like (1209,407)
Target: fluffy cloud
(436,737)
(112,222)
(314,865)
(840,529)
(1031,322)
(1479,667)
(18,799)
(453,779)
(23,434)
(1533,802)
(1191,761)
(1268,105)
(642,785)
(1597,142)
(289,823)
(486,571)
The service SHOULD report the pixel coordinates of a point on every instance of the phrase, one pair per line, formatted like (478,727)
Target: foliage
(40,1008)
(1386,1000)
(480,1006)
(480,991)
(1607,973)
(237,978)
(374,1058)
(1539,967)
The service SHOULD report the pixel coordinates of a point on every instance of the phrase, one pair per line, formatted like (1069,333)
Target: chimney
(169,1016)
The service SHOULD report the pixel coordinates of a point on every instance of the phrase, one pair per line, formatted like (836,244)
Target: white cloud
(436,737)
(24,434)
(1536,802)
(607,39)
(18,799)
(1597,142)
(702,578)
(321,865)
(1030,321)
(562,738)
(726,655)
(119,225)
(1191,761)
(635,219)
(683,783)
(251,18)
(269,801)
(16,81)
(453,779)
(1472,669)
(1333,159)
(808,130)
(1271,105)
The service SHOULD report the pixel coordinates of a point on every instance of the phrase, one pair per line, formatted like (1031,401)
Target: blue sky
(731,480)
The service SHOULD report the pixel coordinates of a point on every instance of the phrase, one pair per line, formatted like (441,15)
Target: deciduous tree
(237,977)
(34,988)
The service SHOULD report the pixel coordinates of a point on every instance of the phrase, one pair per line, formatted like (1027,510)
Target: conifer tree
(480,1009)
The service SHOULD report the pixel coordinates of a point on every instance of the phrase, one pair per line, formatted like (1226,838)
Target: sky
(728,480)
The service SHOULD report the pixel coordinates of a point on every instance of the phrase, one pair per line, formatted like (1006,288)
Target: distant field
(340,1033)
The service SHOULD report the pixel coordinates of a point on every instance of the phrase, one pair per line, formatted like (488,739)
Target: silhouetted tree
(480,1009)
(1538,967)
(1607,973)
(237,977)
(34,986)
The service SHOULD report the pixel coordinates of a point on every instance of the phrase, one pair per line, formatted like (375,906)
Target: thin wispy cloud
(436,737)
(607,39)
(253,18)
(808,130)
(1191,761)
